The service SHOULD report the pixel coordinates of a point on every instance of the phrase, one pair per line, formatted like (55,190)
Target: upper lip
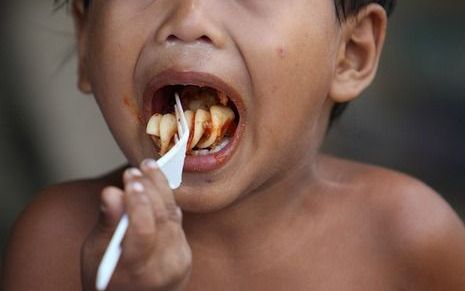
(201,79)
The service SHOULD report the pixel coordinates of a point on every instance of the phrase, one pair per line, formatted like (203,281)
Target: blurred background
(412,119)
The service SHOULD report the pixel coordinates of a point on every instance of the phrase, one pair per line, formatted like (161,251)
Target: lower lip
(216,160)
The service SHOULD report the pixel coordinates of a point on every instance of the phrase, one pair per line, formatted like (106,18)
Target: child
(262,208)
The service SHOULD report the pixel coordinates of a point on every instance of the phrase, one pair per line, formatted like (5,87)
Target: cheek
(113,51)
(292,90)
(119,31)
(292,71)
(281,52)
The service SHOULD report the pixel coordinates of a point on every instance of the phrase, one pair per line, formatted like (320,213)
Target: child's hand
(155,255)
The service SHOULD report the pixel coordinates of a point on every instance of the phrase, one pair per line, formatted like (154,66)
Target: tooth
(156,141)
(221,145)
(208,95)
(194,105)
(208,140)
(221,119)
(190,118)
(202,120)
(200,152)
(191,95)
(153,126)
(168,128)
(190,91)
(204,99)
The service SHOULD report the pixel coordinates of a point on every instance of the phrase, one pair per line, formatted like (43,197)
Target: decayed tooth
(153,126)
(190,92)
(221,118)
(208,95)
(224,142)
(168,128)
(208,140)
(190,118)
(205,98)
(202,119)
(195,104)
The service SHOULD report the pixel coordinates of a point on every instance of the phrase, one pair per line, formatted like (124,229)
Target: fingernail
(136,187)
(103,207)
(133,172)
(150,164)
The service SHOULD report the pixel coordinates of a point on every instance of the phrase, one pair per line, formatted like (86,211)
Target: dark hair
(344,9)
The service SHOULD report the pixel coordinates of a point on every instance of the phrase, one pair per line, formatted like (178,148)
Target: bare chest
(327,269)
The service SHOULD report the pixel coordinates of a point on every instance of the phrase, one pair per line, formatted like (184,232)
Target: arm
(431,240)
(58,242)
(441,255)
(44,247)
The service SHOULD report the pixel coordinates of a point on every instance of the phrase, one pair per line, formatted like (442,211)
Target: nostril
(205,38)
(172,38)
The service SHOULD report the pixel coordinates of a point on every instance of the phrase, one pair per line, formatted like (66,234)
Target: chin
(205,199)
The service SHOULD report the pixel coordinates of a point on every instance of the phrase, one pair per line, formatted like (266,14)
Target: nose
(190,22)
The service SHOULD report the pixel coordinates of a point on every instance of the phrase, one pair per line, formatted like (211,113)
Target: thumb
(111,210)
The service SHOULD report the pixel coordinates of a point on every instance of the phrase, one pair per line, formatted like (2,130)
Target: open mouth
(210,115)
(213,118)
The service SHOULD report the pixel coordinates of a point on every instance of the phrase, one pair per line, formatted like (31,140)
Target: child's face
(277,56)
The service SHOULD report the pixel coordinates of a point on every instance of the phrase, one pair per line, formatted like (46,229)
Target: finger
(111,206)
(141,231)
(162,211)
(157,178)
(150,169)
(130,174)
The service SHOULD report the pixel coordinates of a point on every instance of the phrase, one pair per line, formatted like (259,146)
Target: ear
(80,17)
(362,40)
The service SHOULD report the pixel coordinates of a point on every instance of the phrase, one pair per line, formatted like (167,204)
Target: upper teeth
(221,118)
(207,123)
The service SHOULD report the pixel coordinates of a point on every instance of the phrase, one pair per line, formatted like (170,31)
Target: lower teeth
(214,150)
(221,146)
(200,153)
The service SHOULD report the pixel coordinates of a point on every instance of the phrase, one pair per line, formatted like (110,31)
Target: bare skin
(277,215)
(354,233)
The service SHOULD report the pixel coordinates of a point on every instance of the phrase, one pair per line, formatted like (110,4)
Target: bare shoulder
(424,233)
(427,234)
(44,246)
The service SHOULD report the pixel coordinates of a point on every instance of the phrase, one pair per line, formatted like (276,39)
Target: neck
(266,220)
